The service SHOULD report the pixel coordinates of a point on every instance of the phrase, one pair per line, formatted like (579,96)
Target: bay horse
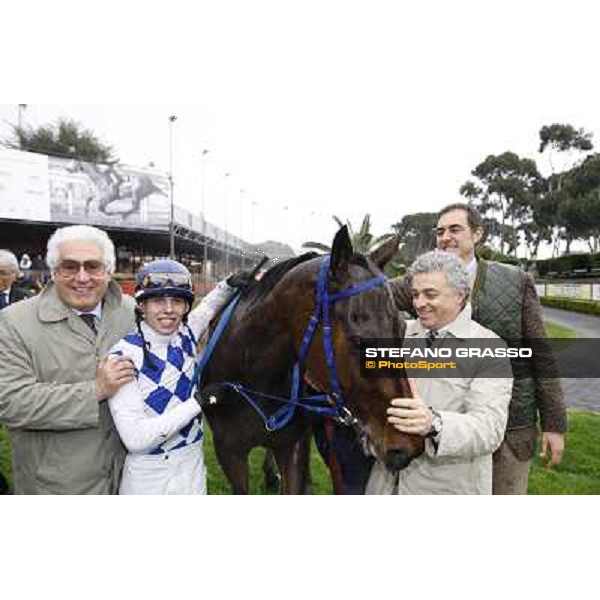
(279,337)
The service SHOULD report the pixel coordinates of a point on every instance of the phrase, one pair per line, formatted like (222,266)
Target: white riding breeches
(177,472)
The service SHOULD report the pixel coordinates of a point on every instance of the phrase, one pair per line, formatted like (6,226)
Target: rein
(331,404)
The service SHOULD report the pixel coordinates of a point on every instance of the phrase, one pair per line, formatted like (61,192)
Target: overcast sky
(315,108)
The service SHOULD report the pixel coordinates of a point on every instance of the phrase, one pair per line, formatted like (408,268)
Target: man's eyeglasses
(70,268)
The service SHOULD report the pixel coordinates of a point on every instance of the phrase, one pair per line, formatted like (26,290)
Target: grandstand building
(39,193)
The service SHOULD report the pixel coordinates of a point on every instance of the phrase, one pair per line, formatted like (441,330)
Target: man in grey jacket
(54,378)
(463,418)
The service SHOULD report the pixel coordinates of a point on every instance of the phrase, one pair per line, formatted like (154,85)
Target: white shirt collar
(160,339)
(457,328)
(471,267)
(97,312)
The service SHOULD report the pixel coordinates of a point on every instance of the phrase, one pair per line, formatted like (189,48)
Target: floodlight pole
(22,108)
(205,251)
(226,177)
(243,257)
(172,119)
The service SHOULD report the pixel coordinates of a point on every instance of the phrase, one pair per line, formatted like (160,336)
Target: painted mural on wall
(97,194)
(37,187)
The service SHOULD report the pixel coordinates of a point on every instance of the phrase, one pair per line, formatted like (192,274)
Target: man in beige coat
(504,300)
(54,379)
(462,418)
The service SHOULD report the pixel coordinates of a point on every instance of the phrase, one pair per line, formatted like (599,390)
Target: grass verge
(579,472)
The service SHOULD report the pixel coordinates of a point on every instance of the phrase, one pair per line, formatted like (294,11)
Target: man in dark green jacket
(504,300)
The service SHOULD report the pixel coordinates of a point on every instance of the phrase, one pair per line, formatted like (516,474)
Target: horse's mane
(360,259)
(259,289)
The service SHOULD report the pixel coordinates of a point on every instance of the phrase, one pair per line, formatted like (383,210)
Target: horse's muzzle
(396,460)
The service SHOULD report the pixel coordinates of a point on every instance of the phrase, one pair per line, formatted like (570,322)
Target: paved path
(579,393)
(584,325)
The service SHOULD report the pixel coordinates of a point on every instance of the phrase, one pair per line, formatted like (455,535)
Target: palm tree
(363,240)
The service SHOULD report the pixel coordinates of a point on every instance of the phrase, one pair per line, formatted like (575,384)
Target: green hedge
(488,253)
(566,265)
(589,307)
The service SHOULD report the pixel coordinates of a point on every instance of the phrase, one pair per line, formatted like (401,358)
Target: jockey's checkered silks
(164,378)
(156,415)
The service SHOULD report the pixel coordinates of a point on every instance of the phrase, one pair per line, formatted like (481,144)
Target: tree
(573,215)
(564,138)
(564,189)
(418,234)
(516,200)
(579,211)
(470,191)
(539,221)
(66,138)
(508,185)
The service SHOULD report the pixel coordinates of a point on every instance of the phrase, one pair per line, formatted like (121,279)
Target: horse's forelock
(361,260)
(273,276)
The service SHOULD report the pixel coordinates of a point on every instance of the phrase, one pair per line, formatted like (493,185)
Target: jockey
(156,415)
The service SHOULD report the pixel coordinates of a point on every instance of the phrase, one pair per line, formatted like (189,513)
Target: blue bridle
(331,404)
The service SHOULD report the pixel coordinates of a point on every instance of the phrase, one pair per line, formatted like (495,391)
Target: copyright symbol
(370,364)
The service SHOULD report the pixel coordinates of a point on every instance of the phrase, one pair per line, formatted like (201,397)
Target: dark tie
(3,300)
(89,320)
(431,337)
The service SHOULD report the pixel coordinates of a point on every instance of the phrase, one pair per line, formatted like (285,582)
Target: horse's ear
(341,251)
(384,253)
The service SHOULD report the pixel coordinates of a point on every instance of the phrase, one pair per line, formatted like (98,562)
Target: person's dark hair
(474,219)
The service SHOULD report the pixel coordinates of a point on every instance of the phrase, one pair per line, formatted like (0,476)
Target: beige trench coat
(64,441)
(474,411)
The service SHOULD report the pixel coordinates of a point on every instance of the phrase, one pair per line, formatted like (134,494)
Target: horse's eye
(359,317)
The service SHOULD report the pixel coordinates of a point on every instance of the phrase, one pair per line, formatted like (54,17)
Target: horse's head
(362,307)
(270,331)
